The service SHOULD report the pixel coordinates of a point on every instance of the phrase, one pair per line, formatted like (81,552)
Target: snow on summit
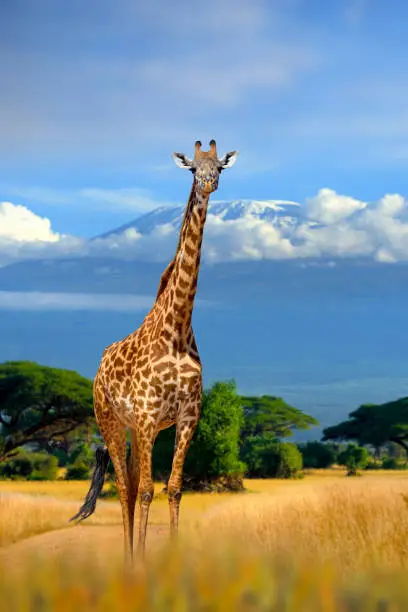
(280,213)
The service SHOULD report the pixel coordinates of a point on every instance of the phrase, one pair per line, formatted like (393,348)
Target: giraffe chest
(157,391)
(173,378)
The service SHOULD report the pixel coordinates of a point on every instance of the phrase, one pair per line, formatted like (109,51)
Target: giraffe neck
(182,285)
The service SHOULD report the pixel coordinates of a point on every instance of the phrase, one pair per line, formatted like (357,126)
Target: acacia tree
(374,424)
(267,419)
(271,415)
(39,403)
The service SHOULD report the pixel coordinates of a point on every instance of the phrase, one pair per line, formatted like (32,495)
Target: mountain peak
(281,213)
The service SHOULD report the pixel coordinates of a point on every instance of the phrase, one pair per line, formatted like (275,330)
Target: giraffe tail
(98,478)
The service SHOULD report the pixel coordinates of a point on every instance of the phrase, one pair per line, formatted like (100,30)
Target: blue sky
(96,95)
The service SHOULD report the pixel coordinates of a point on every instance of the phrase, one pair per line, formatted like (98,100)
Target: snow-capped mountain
(281,213)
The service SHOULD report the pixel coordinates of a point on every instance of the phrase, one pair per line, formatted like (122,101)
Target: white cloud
(25,235)
(328,207)
(246,238)
(330,225)
(37,300)
(19,224)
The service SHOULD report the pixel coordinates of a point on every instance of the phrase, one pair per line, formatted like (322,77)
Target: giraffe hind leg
(114,435)
(146,488)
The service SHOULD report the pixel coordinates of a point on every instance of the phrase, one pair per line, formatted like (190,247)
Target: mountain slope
(281,213)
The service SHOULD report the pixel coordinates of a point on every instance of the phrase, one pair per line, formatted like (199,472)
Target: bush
(78,471)
(374,464)
(283,460)
(269,458)
(83,453)
(214,451)
(317,454)
(212,460)
(45,467)
(392,463)
(18,467)
(30,466)
(353,458)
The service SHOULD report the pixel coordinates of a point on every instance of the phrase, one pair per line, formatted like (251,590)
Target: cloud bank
(50,301)
(36,300)
(19,224)
(330,225)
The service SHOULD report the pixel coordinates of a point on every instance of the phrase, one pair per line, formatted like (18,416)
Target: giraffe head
(206,166)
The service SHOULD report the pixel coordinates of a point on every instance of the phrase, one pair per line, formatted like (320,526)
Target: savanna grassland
(325,542)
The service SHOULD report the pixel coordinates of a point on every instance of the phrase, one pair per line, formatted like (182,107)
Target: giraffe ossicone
(152,379)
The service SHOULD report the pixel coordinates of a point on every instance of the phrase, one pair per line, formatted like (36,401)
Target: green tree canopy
(271,415)
(267,457)
(39,403)
(214,450)
(354,457)
(318,454)
(374,424)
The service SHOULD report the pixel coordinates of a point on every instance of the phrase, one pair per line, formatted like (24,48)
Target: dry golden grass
(59,489)
(28,508)
(353,524)
(325,543)
(22,516)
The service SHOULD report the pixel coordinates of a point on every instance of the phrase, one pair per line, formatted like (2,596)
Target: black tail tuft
(98,478)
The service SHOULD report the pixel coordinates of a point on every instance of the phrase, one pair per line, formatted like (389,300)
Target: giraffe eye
(192,170)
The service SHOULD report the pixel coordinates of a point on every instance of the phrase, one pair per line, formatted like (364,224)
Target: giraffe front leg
(184,433)
(146,490)
(133,481)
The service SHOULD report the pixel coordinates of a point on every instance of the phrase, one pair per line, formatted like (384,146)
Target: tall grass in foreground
(182,580)
(331,547)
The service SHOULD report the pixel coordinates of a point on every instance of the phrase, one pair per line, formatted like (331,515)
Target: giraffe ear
(182,161)
(228,160)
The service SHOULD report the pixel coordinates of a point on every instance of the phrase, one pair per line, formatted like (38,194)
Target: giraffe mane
(165,277)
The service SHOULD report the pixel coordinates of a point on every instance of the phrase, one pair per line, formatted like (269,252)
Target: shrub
(270,458)
(30,466)
(45,467)
(18,467)
(78,471)
(353,458)
(213,457)
(283,460)
(83,453)
(392,463)
(374,464)
(317,454)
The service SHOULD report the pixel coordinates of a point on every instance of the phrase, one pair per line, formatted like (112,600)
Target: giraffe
(152,379)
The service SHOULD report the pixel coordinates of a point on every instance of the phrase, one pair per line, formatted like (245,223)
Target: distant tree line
(47,423)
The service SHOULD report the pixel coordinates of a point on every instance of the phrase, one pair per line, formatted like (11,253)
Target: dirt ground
(104,544)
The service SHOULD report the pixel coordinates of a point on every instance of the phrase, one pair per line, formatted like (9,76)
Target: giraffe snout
(208,185)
